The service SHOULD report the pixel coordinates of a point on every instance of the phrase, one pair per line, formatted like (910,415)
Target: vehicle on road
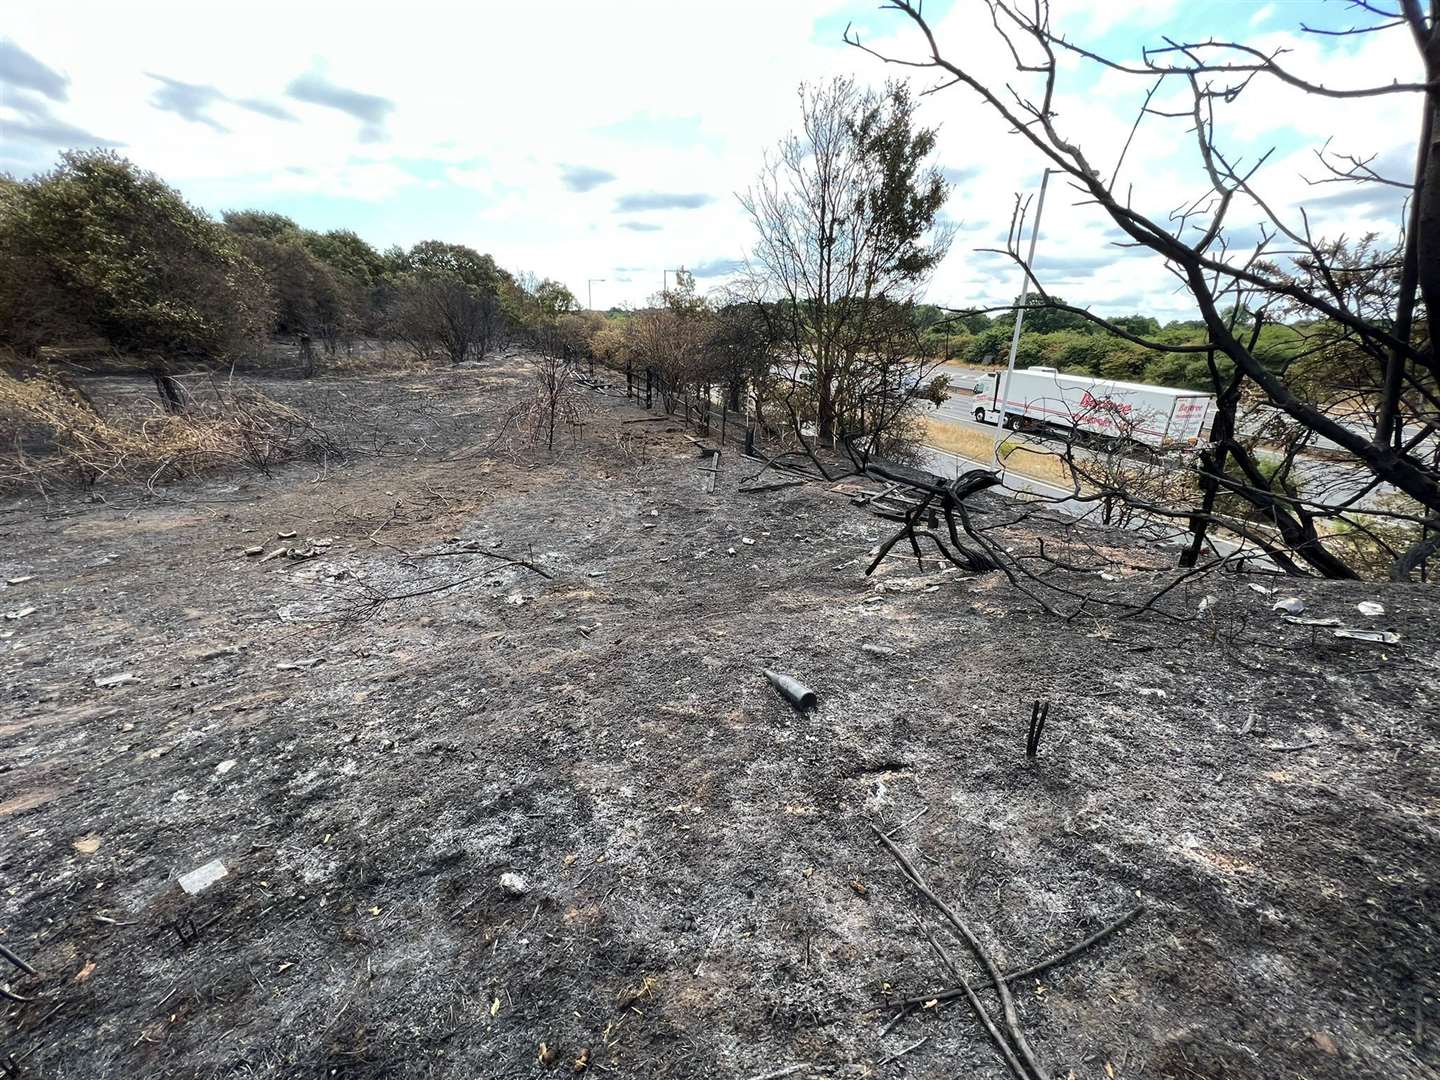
(1042,397)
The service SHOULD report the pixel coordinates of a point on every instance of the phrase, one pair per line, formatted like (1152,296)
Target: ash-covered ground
(700,893)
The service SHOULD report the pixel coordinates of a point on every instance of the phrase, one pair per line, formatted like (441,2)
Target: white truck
(1040,397)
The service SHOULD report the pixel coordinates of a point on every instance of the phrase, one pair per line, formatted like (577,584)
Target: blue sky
(607,140)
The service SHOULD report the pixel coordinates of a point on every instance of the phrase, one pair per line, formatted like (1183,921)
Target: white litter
(225,766)
(1381,637)
(201,878)
(1291,605)
(1208,602)
(1298,621)
(301,665)
(513,884)
(119,679)
(1261,589)
(1370,608)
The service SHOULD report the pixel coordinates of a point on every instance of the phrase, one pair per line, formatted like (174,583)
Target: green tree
(345,253)
(1040,318)
(260,223)
(846,220)
(446,299)
(119,254)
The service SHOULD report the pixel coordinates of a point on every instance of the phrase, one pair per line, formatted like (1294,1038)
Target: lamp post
(589,295)
(1004,396)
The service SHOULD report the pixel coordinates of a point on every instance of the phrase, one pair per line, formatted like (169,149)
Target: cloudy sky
(606,139)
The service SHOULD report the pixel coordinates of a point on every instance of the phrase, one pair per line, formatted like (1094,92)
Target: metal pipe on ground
(793,690)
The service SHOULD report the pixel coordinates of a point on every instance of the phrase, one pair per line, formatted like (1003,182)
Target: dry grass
(978,446)
(57,438)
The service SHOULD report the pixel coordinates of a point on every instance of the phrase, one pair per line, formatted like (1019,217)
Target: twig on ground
(789,1070)
(909,821)
(507,560)
(1007,1004)
(771,487)
(893,1021)
(8,954)
(901,1053)
(1034,969)
(1007,1052)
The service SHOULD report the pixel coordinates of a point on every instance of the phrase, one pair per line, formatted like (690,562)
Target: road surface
(1317,477)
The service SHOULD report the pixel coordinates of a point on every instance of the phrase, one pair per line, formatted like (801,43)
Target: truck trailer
(1042,397)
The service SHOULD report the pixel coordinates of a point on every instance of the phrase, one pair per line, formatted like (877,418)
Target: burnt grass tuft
(704,896)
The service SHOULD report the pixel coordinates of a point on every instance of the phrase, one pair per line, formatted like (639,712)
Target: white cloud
(506,119)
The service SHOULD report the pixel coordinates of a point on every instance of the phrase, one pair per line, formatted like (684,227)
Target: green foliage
(906,193)
(261,224)
(554,299)
(99,247)
(454,261)
(308,297)
(345,253)
(1042,319)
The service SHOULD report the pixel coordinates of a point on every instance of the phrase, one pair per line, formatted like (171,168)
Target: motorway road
(1317,477)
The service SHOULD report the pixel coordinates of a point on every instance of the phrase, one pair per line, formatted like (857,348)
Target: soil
(701,894)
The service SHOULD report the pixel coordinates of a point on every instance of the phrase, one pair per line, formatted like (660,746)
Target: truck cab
(986,390)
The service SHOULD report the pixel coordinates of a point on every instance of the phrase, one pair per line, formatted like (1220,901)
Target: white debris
(513,884)
(119,679)
(746,541)
(201,878)
(19,580)
(1208,602)
(1370,608)
(515,599)
(1299,621)
(730,551)
(1151,691)
(301,665)
(1380,637)
(1291,605)
(225,766)
(1261,589)
(20,613)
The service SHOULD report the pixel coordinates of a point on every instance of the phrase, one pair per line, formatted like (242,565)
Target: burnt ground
(705,897)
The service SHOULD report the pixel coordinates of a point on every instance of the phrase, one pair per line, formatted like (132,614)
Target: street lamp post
(589,294)
(1004,396)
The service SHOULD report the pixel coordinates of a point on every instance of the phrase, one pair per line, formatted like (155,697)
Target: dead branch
(1012,1018)
(1063,957)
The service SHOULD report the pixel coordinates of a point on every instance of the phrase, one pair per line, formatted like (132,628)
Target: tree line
(100,251)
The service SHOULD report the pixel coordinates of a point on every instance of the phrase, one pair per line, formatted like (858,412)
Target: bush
(106,249)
